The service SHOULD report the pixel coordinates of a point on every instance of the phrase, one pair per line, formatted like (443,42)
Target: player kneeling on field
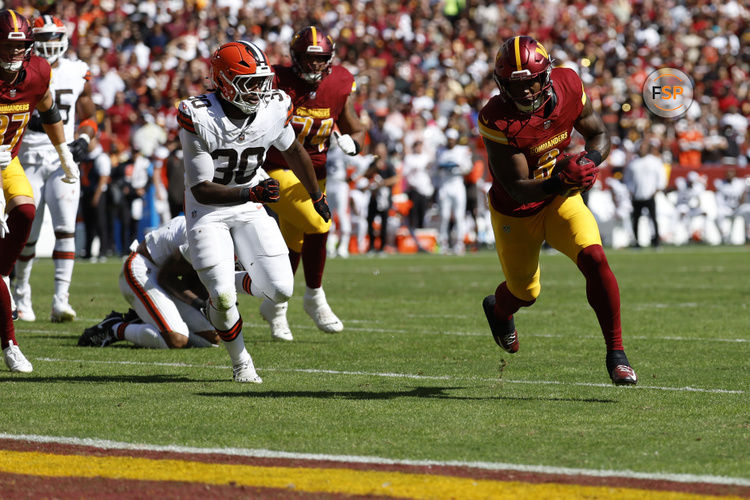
(165,295)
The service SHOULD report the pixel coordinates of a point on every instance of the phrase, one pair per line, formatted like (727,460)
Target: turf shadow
(99,379)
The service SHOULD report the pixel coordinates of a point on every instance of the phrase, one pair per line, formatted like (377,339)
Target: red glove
(266,191)
(577,173)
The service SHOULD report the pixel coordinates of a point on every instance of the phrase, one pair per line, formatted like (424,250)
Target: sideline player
(164,293)
(535,191)
(24,87)
(225,135)
(71,90)
(320,93)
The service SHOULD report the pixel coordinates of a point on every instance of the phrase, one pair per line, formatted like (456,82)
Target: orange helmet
(312,54)
(50,38)
(520,63)
(15,28)
(242,75)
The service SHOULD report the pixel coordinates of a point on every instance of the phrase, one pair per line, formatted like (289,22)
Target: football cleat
(101,334)
(275,314)
(619,369)
(131,316)
(23,309)
(504,332)
(245,372)
(315,305)
(61,310)
(15,360)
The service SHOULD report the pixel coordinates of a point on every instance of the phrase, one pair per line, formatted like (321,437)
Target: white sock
(236,349)
(65,248)
(145,335)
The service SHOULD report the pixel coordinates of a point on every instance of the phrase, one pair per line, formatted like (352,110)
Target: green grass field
(416,374)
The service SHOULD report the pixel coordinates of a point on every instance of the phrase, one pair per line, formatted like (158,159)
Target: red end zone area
(40,470)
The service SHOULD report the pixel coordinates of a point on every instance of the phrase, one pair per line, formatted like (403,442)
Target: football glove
(346,143)
(266,191)
(321,205)
(80,147)
(68,164)
(5,156)
(576,172)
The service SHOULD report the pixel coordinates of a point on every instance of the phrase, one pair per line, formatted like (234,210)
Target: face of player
(525,93)
(12,54)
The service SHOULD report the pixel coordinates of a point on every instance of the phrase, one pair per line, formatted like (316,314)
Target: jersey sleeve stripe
(186,122)
(492,134)
(289,114)
(87,76)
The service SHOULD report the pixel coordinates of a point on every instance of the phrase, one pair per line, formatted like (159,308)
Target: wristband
(89,123)
(594,156)
(85,137)
(553,185)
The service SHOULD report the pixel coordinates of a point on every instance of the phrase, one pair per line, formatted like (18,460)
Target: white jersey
(229,152)
(163,241)
(66,85)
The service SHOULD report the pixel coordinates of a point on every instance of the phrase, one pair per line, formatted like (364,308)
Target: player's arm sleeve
(199,165)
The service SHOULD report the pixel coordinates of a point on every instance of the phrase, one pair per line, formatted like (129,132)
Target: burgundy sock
(7,330)
(506,304)
(314,258)
(19,226)
(294,260)
(602,293)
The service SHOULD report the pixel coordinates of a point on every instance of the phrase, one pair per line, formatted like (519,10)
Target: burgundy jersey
(540,139)
(18,101)
(316,110)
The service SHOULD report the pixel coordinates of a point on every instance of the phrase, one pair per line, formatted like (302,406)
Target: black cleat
(101,334)
(131,316)
(504,332)
(619,369)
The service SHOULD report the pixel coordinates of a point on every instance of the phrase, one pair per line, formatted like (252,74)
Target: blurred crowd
(423,70)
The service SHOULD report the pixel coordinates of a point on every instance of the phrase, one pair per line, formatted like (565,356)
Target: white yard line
(495,466)
(393,375)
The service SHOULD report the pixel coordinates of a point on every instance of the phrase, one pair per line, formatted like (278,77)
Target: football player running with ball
(71,89)
(320,92)
(24,87)
(535,194)
(225,135)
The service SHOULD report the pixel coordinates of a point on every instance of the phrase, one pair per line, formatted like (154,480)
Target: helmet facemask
(247,91)
(50,45)
(523,91)
(17,59)
(311,66)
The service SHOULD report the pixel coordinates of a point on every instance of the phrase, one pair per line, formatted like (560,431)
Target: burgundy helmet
(521,62)
(15,28)
(312,54)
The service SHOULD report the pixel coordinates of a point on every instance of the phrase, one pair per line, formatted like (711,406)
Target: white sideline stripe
(394,375)
(495,466)
(463,334)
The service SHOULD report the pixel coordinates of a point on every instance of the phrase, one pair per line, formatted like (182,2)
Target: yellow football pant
(297,216)
(15,182)
(567,225)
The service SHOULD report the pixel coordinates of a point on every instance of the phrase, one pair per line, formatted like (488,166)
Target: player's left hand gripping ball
(321,206)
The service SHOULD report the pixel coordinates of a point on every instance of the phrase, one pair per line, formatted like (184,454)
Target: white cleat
(343,252)
(315,305)
(22,296)
(245,372)
(61,310)
(275,314)
(15,360)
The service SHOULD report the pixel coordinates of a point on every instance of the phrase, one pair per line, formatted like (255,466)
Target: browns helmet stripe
(257,54)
